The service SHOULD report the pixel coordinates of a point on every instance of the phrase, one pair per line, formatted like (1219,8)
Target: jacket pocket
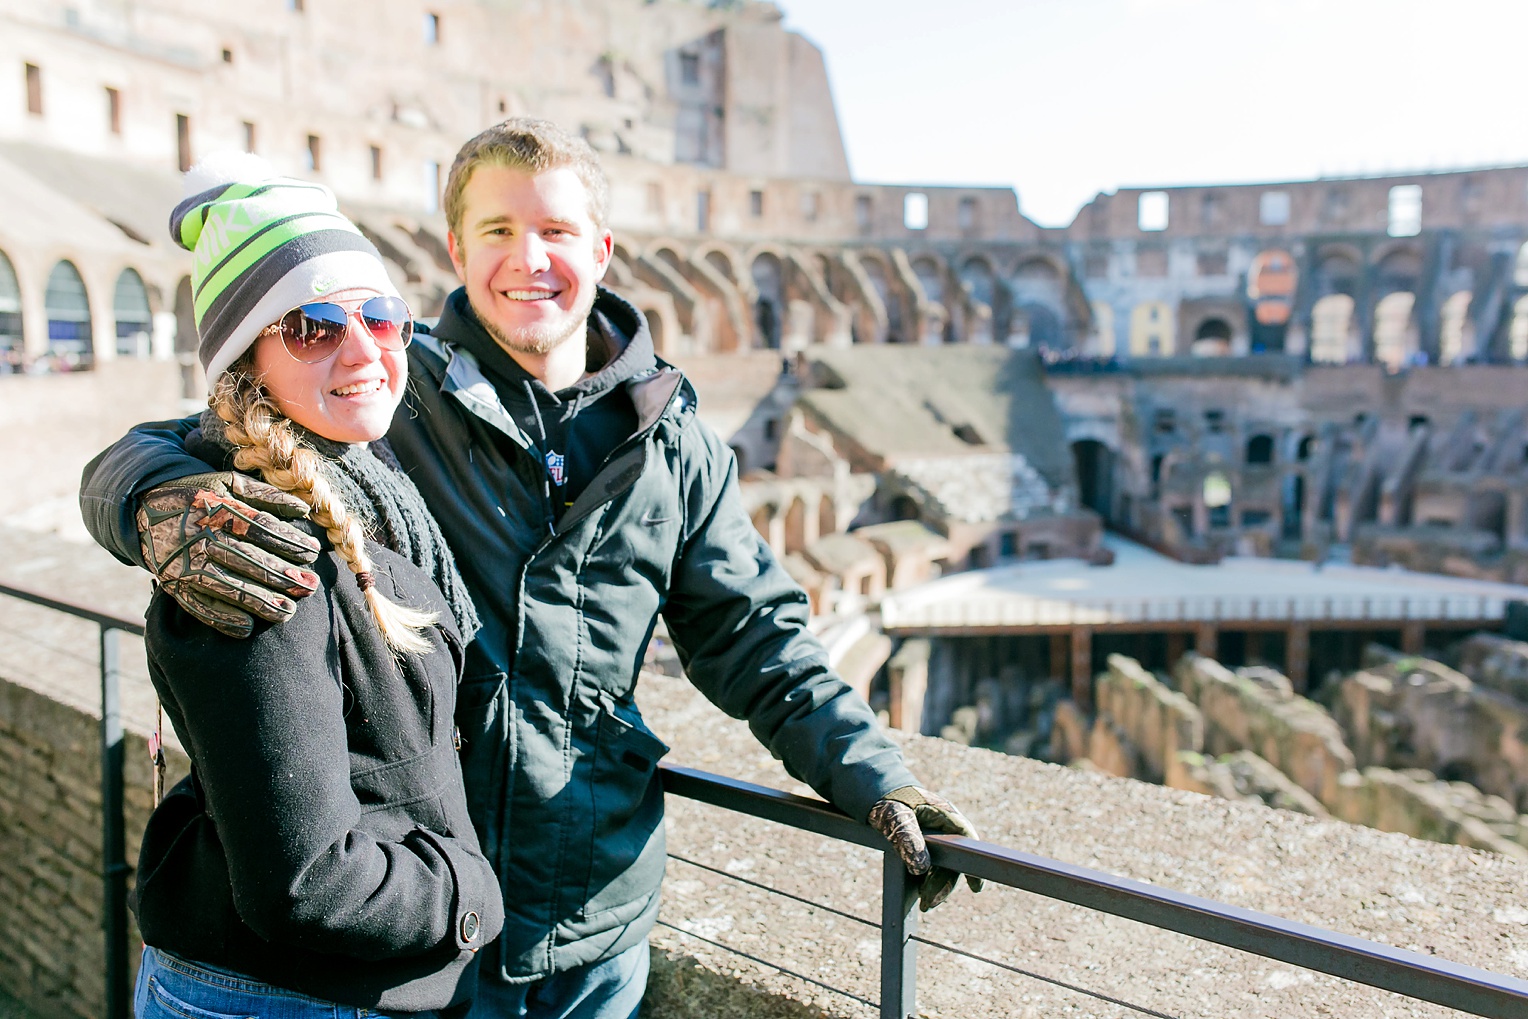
(483,721)
(626,841)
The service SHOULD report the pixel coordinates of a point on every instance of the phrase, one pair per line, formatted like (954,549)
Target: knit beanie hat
(264,245)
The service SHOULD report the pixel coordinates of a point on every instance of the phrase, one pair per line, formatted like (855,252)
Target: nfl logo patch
(554,462)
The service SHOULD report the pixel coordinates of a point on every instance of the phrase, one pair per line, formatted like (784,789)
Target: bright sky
(1061,99)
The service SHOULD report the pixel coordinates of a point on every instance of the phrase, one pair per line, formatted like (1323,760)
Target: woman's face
(347,397)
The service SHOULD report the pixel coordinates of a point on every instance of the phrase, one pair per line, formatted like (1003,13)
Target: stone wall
(53,956)
(1416,713)
(1257,710)
(1141,727)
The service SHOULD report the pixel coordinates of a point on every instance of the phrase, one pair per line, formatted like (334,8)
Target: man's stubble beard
(539,340)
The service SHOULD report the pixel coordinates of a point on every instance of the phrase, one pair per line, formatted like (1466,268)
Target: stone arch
(1517,332)
(1304,447)
(134,318)
(979,280)
(1151,329)
(930,272)
(795,525)
(1333,332)
(1338,270)
(1094,462)
(882,276)
(1260,449)
(1212,337)
(1037,289)
(827,516)
(768,272)
(67,306)
(12,339)
(1395,334)
(1398,269)
(1456,332)
(721,257)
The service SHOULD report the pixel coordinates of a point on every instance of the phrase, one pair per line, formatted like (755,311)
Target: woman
(319,859)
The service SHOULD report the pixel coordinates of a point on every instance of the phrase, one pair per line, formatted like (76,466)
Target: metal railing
(1412,974)
(114,868)
(1331,610)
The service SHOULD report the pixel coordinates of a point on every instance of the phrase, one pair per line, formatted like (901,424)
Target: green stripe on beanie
(263,244)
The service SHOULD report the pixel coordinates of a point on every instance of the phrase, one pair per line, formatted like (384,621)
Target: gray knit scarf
(372,485)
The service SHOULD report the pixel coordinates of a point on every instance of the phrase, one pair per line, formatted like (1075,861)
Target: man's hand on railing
(218,548)
(902,816)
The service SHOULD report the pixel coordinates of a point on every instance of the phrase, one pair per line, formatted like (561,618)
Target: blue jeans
(604,990)
(170,987)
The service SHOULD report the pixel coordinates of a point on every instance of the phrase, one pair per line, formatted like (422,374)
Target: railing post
(113,849)
(899,952)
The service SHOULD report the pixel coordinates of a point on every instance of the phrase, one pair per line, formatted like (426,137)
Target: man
(582,498)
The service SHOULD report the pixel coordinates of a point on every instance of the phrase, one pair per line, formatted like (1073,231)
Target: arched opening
(903,507)
(1043,326)
(67,307)
(1217,498)
(1517,332)
(1306,446)
(655,327)
(1212,338)
(1456,333)
(1095,476)
(1260,449)
(769,308)
(1294,507)
(1331,330)
(1395,341)
(880,282)
(12,345)
(827,517)
(795,525)
(130,308)
(721,263)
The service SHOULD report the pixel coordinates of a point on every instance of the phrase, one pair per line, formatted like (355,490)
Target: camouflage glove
(217,547)
(902,816)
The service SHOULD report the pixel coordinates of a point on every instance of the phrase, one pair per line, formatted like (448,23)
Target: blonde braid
(265,442)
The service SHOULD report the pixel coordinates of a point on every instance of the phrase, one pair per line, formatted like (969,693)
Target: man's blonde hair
(535,146)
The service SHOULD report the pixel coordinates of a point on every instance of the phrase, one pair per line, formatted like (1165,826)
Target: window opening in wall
(1156,469)
(810,201)
(130,307)
(249,136)
(1405,210)
(315,157)
(68,309)
(965,214)
(183,141)
(689,68)
(34,89)
(376,162)
(1166,422)
(227,55)
(113,110)
(1273,208)
(1209,209)
(1417,421)
(915,211)
(1008,544)
(1260,449)
(1152,210)
(755,204)
(11,345)
(703,211)
(431,186)
(1217,496)
(1304,449)
(862,214)
(431,29)
(1215,421)
(503,106)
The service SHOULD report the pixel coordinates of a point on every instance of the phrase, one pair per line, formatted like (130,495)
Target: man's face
(529,254)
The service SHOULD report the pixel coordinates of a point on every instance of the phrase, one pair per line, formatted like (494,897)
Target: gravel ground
(1463,905)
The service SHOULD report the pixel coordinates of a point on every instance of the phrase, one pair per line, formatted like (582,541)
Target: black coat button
(470,926)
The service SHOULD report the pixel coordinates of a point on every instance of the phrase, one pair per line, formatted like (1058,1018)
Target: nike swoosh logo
(652,521)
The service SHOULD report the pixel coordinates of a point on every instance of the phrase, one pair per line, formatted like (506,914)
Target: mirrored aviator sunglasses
(313,332)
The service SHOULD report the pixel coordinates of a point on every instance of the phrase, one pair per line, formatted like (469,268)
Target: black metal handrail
(1393,969)
(114,868)
(1412,974)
